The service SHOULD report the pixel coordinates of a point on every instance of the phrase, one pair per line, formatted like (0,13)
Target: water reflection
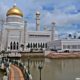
(55,69)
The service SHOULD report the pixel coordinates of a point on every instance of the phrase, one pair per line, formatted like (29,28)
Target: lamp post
(40,68)
(28,66)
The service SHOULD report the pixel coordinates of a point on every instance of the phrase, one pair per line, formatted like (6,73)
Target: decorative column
(2,23)
(53,31)
(7,34)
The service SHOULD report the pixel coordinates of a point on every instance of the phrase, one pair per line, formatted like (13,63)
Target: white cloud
(31,26)
(3,10)
(61,18)
(61,13)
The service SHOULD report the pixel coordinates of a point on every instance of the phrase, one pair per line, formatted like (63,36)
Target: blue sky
(66,13)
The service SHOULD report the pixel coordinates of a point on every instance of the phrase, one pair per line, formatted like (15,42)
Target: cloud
(61,18)
(3,9)
(31,26)
(63,12)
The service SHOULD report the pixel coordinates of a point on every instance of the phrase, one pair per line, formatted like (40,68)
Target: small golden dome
(14,11)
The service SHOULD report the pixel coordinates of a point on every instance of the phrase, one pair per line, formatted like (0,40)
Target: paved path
(15,73)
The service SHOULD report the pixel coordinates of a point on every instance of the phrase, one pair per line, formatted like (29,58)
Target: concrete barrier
(77,78)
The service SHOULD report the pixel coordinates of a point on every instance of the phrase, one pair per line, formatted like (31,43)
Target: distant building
(65,45)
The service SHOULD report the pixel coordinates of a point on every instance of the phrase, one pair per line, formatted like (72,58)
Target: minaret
(37,21)
(53,31)
(25,29)
(14,2)
(1,33)
(45,28)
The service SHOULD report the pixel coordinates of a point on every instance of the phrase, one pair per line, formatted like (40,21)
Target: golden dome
(14,11)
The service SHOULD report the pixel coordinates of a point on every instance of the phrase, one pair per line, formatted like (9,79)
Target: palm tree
(70,36)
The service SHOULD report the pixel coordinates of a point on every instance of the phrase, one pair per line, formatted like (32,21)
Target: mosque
(14,35)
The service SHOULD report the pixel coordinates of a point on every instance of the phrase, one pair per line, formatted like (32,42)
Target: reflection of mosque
(15,36)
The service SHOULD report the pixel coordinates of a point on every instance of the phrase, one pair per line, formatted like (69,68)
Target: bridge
(15,70)
(15,73)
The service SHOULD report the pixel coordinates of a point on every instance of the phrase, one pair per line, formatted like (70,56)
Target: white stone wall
(41,36)
(55,44)
(71,44)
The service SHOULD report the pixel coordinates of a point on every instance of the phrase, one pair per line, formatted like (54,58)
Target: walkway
(15,73)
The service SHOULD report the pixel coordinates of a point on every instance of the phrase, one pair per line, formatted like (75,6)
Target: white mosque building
(14,35)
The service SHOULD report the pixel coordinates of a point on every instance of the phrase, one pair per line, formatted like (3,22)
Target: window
(74,46)
(68,46)
(78,46)
(64,46)
(39,35)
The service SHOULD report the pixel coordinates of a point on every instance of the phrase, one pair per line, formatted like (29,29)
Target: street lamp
(40,68)
(28,65)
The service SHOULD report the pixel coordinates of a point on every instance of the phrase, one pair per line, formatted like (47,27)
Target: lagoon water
(55,69)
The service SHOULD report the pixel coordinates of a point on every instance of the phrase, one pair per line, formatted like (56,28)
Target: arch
(14,45)
(45,45)
(11,45)
(17,46)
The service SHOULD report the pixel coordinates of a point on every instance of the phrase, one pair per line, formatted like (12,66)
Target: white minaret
(25,29)
(1,32)
(53,31)
(37,21)
(45,28)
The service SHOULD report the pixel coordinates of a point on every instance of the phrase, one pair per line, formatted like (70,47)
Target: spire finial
(14,2)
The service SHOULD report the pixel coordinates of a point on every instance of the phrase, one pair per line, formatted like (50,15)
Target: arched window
(38,45)
(45,45)
(28,46)
(35,45)
(31,45)
(17,46)
(41,46)
(11,45)
(14,45)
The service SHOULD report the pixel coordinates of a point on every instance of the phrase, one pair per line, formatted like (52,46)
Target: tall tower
(37,21)
(53,31)
(13,32)
(25,29)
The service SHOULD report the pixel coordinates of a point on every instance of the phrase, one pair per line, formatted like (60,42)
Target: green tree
(3,52)
(22,46)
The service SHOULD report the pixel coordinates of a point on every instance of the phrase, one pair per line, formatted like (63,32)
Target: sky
(65,13)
